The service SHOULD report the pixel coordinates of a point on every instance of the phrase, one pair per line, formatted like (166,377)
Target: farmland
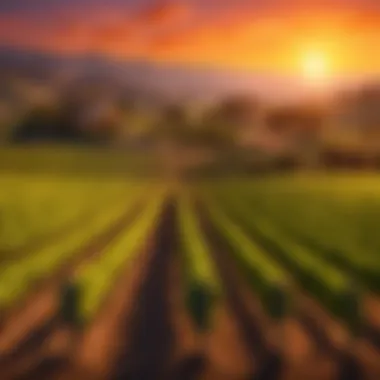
(118,275)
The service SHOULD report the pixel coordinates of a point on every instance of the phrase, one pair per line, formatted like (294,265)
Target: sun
(315,67)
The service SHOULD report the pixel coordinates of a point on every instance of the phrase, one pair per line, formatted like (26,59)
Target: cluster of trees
(96,117)
(217,126)
(70,118)
(106,119)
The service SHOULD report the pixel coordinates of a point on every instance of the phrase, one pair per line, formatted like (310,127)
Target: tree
(366,105)
(50,123)
(173,125)
(238,111)
(294,120)
(102,122)
(38,124)
(226,124)
(8,119)
(301,127)
(359,109)
(214,131)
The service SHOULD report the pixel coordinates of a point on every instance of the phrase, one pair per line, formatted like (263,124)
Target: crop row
(275,263)
(18,277)
(32,208)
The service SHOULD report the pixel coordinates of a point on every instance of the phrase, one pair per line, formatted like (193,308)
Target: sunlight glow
(315,67)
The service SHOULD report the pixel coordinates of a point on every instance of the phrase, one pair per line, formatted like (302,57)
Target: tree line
(223,126)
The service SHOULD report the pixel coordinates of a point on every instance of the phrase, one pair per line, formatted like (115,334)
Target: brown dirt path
(314,343)
(33,319)
(187,359)
(238,339)
(95,354)
(371,306)
(149,336)
(90,354)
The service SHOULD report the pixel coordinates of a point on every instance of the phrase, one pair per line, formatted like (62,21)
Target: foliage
(97,278)
(20,275)
(282,217)
(202,285)
(264,275)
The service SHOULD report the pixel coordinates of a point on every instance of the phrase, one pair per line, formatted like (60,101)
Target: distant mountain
(168,81)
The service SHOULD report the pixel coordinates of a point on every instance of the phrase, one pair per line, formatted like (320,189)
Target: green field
(62,160)
(287,237)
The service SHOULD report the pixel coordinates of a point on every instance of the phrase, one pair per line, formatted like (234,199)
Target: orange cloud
(165,12)
(273,41)
(269,39)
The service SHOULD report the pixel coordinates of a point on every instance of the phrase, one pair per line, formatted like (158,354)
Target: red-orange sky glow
(273,36)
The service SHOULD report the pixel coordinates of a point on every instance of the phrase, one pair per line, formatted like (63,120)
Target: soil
(93,355)
(143,331)
(34,320)
(319,347)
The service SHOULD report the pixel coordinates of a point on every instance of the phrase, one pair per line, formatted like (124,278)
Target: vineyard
(126,278)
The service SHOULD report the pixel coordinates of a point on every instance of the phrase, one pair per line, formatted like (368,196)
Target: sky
(317,39)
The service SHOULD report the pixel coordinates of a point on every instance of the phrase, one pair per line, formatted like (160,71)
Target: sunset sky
(319,39)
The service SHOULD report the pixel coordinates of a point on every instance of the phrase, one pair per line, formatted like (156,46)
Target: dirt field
(144,333)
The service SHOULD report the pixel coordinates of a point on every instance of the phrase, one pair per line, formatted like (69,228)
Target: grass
(63,160)
(316,231)
(280,214)
(19,276)
(95,280)
(201,283)
(266,278)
